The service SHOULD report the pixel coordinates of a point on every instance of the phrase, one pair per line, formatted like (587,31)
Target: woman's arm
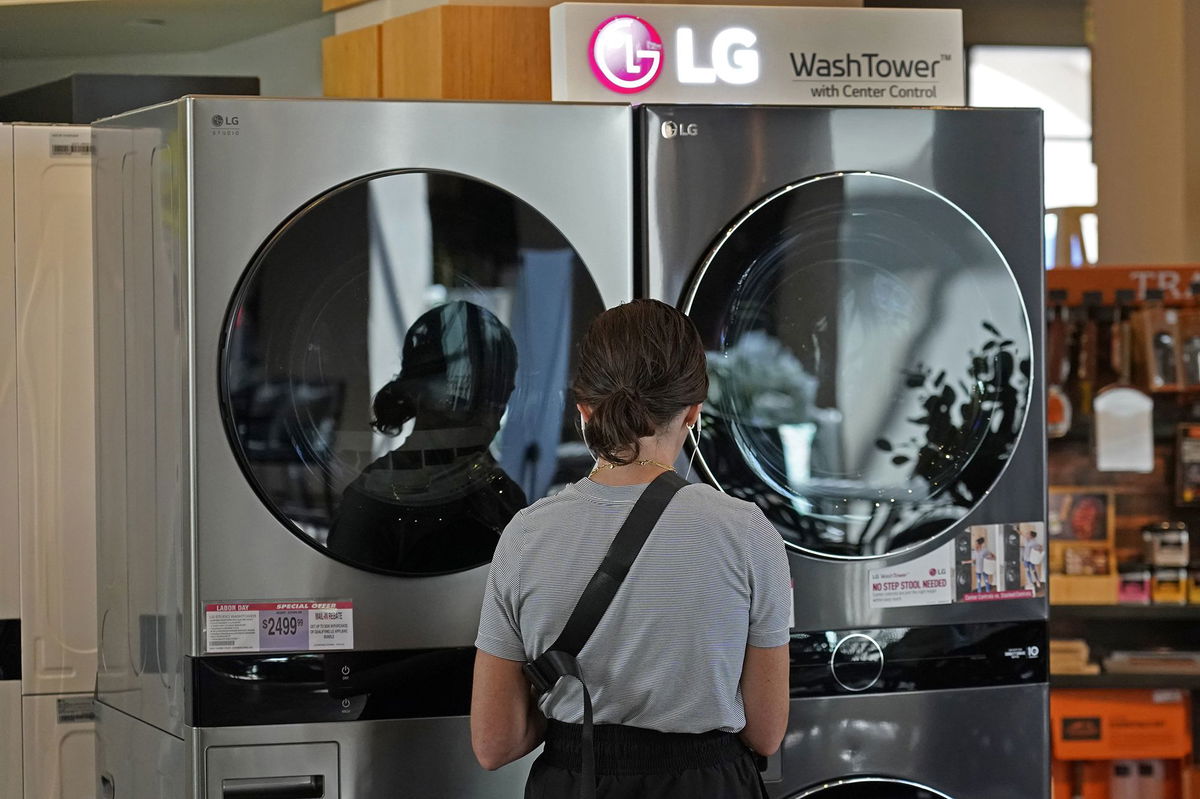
(765,696)
(506,724)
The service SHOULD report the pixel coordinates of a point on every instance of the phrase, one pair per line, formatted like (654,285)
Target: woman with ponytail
(687,669)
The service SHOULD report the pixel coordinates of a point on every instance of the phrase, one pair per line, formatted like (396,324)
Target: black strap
(560,659)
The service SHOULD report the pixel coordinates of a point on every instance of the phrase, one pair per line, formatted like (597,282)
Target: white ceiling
(107,27)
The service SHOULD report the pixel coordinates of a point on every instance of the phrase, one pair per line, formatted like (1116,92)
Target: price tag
(279,626)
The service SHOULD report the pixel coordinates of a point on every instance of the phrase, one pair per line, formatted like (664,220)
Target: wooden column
(351,63)
(468,53)
(1146,123)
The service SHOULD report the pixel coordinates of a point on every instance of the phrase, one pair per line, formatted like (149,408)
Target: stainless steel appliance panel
(143,468)
(529,151)
(135,760)
(417,758)
(984,743)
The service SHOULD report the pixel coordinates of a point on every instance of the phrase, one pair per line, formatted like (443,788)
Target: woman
(688,668)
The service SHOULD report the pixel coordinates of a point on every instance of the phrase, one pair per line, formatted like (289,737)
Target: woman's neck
(653,458)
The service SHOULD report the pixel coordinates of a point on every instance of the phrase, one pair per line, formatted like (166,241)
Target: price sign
(282,629)
(279,626)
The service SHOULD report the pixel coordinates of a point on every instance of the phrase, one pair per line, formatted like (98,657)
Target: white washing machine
(48,489)
(334,345)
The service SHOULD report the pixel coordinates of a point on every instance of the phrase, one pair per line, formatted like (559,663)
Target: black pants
(634,763)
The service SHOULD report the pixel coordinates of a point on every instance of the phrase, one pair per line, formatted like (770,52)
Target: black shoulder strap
(559,660)
(600,590)
(622,552)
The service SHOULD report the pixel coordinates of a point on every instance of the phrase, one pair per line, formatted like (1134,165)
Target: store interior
(1118,84)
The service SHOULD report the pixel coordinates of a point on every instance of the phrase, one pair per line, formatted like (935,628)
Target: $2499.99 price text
(282,625)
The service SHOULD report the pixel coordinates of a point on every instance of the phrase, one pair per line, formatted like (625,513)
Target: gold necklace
(601,466)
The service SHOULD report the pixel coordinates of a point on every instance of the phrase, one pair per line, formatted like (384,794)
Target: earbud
(695,446)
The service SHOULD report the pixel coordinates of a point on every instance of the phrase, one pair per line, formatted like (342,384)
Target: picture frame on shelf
(1082,526)
(1082,515)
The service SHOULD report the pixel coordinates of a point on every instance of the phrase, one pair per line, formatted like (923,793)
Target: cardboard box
(1100,589)
(1120,725)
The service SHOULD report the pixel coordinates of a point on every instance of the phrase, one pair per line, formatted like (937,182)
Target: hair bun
(640,366)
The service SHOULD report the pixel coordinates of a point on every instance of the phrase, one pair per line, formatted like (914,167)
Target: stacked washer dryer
(868,284)
(333,345)
(47,473)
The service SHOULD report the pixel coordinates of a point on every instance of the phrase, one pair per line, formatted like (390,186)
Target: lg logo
(224,125)
(626,55)
(732,57)
(672,129)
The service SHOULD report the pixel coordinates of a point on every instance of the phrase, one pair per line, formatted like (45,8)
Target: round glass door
(870,788)
(869,356)
(395,365)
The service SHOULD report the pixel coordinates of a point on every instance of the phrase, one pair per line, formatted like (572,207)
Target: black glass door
(870,362)
(871,788)
(395,365)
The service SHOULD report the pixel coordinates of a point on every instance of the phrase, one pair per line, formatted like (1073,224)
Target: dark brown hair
(640,365)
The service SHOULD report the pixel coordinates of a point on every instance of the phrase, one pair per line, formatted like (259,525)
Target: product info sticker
(303,626)
(927,580)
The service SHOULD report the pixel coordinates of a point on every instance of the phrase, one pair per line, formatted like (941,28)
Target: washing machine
(334,340)
(47,429)
(868,284)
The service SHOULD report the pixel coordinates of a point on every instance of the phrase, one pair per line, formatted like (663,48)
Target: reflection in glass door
(395,369)
(870,362)
(870,788)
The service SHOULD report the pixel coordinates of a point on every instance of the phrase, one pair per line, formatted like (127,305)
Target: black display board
(82,99)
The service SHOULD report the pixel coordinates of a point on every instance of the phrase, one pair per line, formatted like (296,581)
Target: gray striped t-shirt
(668,654)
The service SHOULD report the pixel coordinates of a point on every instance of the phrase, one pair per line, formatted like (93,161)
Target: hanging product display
(1124,432)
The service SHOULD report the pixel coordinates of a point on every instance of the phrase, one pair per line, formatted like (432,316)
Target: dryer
(334,339)
(868,283)
(47,429)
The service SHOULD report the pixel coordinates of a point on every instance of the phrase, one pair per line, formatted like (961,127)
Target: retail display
(1124,435)
(872,299)
(1170,586)
(1071,656)
(1058,403)
(47,524)
(1120,743)
(1166,544)
(1135,585)
(334,340)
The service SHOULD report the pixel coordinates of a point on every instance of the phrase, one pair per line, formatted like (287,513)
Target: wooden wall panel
(458,52)
(337,5)
(351,63)
(516,65)
(413,54)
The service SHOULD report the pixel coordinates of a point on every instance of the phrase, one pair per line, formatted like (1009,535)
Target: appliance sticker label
(302,626)
(926,580)
(70,144)
(983,563)
(72,709)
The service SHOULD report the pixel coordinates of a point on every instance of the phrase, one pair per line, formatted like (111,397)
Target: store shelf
(1185,682)
(1126,612)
